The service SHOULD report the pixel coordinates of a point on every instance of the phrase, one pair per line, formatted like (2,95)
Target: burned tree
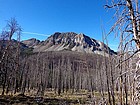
(128,28)
(9,58)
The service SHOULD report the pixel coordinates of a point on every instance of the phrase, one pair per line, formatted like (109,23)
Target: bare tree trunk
(59,79)
(4,81)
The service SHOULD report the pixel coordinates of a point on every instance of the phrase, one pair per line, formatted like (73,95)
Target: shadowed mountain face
(31,42)
(69,41)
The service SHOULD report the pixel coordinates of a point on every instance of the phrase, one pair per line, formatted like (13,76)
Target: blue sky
(42,18)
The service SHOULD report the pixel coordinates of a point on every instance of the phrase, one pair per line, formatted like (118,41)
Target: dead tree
(128,25)
(7,52)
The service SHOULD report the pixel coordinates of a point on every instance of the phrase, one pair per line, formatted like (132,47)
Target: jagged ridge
(69,41)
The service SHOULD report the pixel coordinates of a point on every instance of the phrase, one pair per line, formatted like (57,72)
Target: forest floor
(50,98)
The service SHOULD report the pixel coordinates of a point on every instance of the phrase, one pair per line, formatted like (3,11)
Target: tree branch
(127,58)
(111,6)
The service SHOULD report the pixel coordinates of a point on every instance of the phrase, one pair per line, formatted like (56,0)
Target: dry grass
(81,97)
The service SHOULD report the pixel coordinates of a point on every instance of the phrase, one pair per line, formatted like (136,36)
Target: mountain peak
(69,41)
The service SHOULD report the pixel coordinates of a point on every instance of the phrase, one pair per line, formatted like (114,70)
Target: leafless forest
(116,79)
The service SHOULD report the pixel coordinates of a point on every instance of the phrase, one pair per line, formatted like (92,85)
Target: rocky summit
(69,41)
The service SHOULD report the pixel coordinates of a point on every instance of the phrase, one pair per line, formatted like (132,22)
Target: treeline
(63,71)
